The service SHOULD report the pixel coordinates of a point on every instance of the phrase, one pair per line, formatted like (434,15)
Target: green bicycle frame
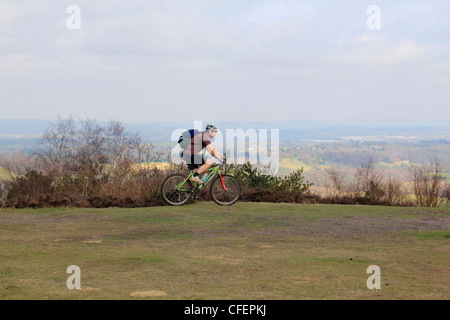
(211,173)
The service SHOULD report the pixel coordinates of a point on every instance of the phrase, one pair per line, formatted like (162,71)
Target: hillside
(391,158)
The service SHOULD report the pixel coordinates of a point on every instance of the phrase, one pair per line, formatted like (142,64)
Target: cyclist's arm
(213,152)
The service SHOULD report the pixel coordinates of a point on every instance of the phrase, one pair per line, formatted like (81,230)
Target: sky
(246,60)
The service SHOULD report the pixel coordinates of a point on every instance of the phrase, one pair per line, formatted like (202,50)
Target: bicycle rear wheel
(169,191)
(226,194)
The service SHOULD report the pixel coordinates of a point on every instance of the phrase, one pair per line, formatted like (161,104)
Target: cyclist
(193,155)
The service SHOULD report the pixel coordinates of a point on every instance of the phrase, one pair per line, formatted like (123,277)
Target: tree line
(84,163)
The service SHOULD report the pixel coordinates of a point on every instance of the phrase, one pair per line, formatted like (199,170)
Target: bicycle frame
(211,173)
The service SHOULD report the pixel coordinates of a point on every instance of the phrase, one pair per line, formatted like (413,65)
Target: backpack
(186,137)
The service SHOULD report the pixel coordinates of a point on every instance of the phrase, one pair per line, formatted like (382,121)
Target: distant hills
(21,135)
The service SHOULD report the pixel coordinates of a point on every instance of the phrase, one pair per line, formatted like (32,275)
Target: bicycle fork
(221,181)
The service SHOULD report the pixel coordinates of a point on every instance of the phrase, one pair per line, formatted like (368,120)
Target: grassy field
(4,174)
(247,251)
(288,165)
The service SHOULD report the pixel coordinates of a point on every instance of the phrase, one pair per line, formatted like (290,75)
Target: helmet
(211,127)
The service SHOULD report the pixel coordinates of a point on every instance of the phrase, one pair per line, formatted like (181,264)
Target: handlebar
(221,163)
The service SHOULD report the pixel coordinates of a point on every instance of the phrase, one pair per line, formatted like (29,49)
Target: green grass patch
(332,260)
(149,259)
(430,235)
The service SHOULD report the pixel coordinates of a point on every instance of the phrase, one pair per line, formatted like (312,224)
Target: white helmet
(211,127)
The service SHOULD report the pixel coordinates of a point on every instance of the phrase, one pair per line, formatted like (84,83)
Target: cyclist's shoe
(196,179)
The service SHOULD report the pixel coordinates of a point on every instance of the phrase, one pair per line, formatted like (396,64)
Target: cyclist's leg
(205,166)
(193,162)
(197,161)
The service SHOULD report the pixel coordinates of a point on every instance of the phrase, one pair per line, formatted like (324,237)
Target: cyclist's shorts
(194,161)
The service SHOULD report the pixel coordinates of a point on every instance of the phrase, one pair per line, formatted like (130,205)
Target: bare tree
(336,179)
(428,181)
(89,155)
(120,153)
(120,144)
(18,163)
(57,144)
(393,189)
(90,147)
(148,153)
(368,180)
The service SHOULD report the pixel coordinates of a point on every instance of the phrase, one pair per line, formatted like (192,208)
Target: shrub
(428,181)
(3,192)
(294,182)
(252,178)
(27,190)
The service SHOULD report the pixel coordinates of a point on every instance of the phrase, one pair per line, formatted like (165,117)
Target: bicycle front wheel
(225,191)
(173,196)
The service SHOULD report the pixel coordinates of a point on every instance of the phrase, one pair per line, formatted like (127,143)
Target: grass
(430,235)
(4,174)
(246,251)
(288,165)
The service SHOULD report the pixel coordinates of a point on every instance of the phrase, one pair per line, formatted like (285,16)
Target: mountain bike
(225,189)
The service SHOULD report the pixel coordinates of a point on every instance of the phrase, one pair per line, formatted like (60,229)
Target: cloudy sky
(163,60)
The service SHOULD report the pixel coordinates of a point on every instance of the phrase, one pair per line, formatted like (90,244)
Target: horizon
(304,130)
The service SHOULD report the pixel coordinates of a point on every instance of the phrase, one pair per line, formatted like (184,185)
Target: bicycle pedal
(196,192)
